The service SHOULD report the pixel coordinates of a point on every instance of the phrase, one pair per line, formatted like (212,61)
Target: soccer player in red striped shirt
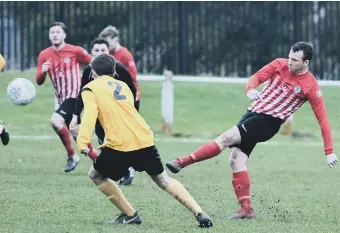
(123,55)
(61,62)
(290,84)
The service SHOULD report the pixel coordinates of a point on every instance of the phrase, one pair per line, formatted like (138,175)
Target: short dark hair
(60,24)
(109,31)
(100,41)
(306,48)
(104,64)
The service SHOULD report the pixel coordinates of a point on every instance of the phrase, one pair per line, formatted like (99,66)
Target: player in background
(287,130)
(287,126)
(123,55)
(100,46)
(4,135)
(2,62)
(61,62)
(129,142)
(290,85)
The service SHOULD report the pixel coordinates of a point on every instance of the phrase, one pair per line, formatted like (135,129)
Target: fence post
(297,9)
(183,38)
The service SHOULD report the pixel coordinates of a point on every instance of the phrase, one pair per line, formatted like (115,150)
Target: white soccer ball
(21,91)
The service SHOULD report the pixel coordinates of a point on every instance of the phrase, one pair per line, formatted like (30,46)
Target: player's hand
(46,66)
(254,94)
(74,122)
(85,151)
(331,160)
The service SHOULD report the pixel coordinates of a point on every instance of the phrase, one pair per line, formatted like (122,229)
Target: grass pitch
(293,189)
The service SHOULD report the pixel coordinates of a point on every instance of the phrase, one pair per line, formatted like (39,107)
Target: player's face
(113,42)
(99,49)
(295,61)
(57,35)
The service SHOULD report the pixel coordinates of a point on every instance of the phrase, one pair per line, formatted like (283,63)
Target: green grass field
(293,189)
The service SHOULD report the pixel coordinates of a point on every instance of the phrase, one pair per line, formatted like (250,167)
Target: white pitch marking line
(176,140)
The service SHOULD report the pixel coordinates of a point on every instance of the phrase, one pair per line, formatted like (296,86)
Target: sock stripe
(243,197)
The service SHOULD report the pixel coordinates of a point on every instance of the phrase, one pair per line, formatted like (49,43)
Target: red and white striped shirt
(64,70)
(286,92)
(124,56)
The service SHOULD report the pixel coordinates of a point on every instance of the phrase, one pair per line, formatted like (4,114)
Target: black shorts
(66,109)
(114,164)
(256,127)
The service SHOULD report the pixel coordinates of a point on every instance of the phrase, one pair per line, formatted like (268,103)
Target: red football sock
(92,154)
(66,140)
(241,184)
(206,151)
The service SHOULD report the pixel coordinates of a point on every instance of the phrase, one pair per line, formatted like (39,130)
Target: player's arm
(41,74)
(85,79)
(88,120)
(2,62)
(83,56)
(318,105)
(130,64)
(124,75)
(264,74)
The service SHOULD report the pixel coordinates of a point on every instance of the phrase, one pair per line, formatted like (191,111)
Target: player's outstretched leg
(206,151)
(58,124)
(4,135)
(107,186)
(241,184)
(178,191)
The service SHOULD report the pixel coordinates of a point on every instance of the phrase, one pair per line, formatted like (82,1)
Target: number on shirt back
(117,91)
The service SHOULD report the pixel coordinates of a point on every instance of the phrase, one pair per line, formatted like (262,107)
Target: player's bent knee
(237,160)
(57,121)
(229,138)
(95,176)
(162,180)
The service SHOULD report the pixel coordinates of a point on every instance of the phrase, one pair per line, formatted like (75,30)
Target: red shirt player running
(290,85)
(62,63)
(123,55)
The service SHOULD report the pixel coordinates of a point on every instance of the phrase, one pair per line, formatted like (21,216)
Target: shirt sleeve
(262,75)
(40,76)
(89,119)
(2,62)
(83,56)
(130,65)
(318,105)
(85,79)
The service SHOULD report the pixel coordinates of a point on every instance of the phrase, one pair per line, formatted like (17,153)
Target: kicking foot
(173,166)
